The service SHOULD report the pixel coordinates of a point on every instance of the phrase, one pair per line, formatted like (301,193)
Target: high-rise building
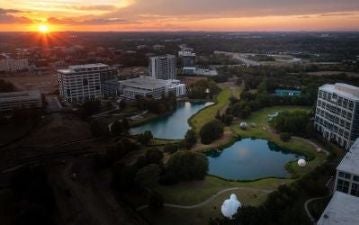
(163,67)
(82,83)
(188,58)
(337,113)
(343,208)
(188,61)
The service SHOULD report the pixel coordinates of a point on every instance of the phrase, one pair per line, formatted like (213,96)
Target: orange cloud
(211,15)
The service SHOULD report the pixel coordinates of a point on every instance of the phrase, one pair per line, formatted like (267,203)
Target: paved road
(208,200)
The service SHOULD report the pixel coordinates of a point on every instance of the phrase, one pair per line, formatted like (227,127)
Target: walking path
(316,146)
(206,201)
(306,204)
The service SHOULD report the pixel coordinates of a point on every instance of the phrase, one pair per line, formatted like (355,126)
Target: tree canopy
(211,131)
(187,165)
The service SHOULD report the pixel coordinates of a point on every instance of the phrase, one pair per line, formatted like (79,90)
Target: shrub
(145,138)
(190,139)
(148,176)
(211,131)
(186,165)
(153,155)
(285,137)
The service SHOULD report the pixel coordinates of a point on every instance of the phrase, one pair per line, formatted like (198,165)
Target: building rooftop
(79,68)
(87,66)
(163,56)
(146,82)
(343,209)
(350,162)
(185,53)
(344,90)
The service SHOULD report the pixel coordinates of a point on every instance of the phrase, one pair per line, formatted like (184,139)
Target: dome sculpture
(302,163)
(230,206)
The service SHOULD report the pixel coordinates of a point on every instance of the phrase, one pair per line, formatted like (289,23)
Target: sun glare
(43,28)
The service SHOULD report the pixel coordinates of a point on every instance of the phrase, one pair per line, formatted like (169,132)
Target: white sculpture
(302,163)
(230,206)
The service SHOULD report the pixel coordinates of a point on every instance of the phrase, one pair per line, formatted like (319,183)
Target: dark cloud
(8,16)
(5,11)
(93,21)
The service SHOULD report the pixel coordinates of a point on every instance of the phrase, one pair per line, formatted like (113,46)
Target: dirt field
(58,129)
(44,83)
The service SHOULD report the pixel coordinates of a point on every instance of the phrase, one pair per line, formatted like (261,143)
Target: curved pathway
(316,146)
(306,204)
(208,200)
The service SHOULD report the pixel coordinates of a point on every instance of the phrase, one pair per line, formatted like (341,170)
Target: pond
(175,125)
(250,159)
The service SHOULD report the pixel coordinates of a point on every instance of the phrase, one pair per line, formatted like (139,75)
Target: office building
(343,208)
(8,64)
(337,113)
(148,87)
(82,83)
(188,61)
(163,67)
(187,57)
(347,177)
(20,99)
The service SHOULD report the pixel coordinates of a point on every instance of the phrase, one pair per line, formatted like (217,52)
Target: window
(343,186)
(344,175)
(351,105)
(85,82)
(356,178)
(355,190)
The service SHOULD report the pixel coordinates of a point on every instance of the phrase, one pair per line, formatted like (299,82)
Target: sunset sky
(187,15)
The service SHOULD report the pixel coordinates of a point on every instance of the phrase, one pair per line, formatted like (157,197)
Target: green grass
(209,113)
(189,193)
(262,130)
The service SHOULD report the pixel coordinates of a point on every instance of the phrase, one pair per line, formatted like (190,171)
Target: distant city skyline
(184,15)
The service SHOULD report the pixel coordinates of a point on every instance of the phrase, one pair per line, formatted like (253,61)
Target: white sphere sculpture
(230,206)
(302,163)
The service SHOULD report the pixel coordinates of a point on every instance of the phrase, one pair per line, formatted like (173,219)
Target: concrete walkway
(206,201)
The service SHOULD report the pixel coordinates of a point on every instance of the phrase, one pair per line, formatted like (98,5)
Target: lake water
(175,125)
(250,159)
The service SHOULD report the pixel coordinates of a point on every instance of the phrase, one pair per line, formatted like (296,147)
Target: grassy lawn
(201,215)
(262,130)
(253,193)
(189,193)
(260,119)
(209,113)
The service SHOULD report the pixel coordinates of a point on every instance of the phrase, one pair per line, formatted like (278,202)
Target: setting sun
(43,28)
